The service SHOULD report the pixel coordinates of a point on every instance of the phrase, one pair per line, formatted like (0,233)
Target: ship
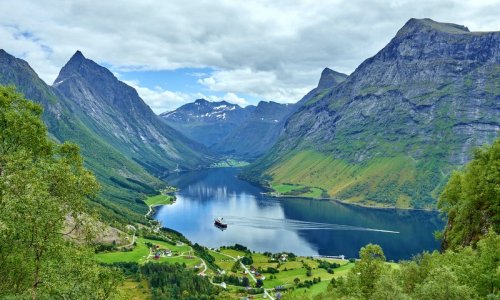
(219,222)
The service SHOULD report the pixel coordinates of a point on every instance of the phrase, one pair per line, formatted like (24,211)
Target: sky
(174,52)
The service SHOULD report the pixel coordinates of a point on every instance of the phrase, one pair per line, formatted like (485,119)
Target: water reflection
(306,227)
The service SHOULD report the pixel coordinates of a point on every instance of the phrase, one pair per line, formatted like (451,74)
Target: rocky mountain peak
(330,78)
(80,66)
(414,26)
(3,53)
(201,101)
(77,56)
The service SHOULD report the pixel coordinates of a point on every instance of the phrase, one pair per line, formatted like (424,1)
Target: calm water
(305,227)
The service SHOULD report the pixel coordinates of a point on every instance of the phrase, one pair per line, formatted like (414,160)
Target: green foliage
(202,253)
(174,281)
(466,273)
(42,186)
(247,260)
(471,199)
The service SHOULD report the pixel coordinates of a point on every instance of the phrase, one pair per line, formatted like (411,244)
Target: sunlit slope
(393,131)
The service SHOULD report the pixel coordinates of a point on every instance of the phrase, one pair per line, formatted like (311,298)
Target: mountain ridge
(120,116)
(412,111)
(123,181)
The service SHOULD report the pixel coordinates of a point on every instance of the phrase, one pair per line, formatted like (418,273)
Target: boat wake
(287,224)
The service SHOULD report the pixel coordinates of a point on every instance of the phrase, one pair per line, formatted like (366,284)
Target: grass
(229,163)
(190,262)
(288,270)
(133,290)
(297,190)
(139,254)
(233,253)
(160,200)
(356,183)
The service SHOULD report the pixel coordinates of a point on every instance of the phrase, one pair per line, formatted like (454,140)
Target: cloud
(268,49)
(229,97)
(263,84)
(160,100)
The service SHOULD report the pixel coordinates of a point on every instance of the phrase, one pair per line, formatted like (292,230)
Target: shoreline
(268,191)
(273,195)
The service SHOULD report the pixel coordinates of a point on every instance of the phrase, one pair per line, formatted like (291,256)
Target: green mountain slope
(124,182)
(391,133)
(116,113)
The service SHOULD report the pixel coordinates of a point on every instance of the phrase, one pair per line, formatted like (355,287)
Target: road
(131,243)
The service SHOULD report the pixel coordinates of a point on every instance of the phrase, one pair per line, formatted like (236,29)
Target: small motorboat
(219,222)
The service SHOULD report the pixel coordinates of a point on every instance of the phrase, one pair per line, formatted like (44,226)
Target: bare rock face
(432,94)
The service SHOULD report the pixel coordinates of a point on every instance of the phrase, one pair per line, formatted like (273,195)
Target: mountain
(207,122)
(123,181)
(246,132)
(391,133)
(229,129)
(328,80)
(116,113)
(265,125)
(258,132)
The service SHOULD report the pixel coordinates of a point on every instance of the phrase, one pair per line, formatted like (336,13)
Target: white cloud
(262,84)
(229,97)
(278,47)
(160,100)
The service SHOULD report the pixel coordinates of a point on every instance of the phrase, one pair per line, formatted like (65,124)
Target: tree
(471,199)
(442,284)
(369,267)
(245,281)
(296,280)
(43,211)
(259,283)
(236,266)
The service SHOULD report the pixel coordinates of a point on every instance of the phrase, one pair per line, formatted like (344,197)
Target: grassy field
(139,253)
(351,182)
(160,200)
(133,290)
(229,163)
(233,253)
(295,190)
(189,261)
(288,271)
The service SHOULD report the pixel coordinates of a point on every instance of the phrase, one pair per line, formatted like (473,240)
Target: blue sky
(240,51)
(185,82)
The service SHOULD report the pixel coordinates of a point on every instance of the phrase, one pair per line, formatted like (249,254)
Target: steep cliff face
(207,122)
(119,116)
(123,181)
(395,128)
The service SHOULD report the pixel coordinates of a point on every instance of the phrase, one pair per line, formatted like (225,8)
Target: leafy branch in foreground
(471,199)
(42,186)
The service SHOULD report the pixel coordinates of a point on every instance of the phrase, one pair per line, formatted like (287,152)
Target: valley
(378,184)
